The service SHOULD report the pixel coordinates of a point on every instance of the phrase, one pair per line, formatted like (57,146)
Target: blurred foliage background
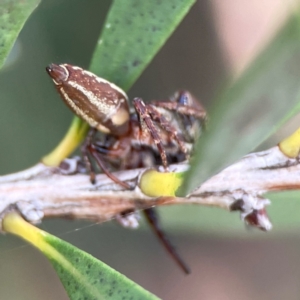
(214,43)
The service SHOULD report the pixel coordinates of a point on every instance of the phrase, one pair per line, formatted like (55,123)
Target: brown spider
(157,133)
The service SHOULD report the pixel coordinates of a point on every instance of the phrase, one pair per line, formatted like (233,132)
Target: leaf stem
(69,143)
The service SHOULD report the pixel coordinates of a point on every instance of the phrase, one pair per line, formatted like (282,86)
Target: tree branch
(42,191)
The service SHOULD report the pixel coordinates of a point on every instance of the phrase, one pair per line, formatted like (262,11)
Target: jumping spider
(157,133)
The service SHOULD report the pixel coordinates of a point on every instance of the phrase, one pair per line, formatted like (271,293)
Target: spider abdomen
(97,101)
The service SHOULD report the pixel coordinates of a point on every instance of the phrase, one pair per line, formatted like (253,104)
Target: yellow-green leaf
(83,276)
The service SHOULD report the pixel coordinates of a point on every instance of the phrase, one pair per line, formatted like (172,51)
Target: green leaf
(83,276)
(13,15)
(133,33)
(253,108)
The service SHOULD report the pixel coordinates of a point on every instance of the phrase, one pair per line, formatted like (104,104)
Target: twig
(42,191)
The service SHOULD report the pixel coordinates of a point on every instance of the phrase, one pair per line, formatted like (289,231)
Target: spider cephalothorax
(156,133)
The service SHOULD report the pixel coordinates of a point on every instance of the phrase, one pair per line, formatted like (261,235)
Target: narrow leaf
(133,33)
(253,108)
(13,15)
(83,276)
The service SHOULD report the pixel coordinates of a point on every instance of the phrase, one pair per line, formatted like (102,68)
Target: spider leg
(118,151)
(153,220)
(99,159)
(146,111)
(181,108)
(165,124)
(145,117)
(185,104)
(191,115)
(89,150)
